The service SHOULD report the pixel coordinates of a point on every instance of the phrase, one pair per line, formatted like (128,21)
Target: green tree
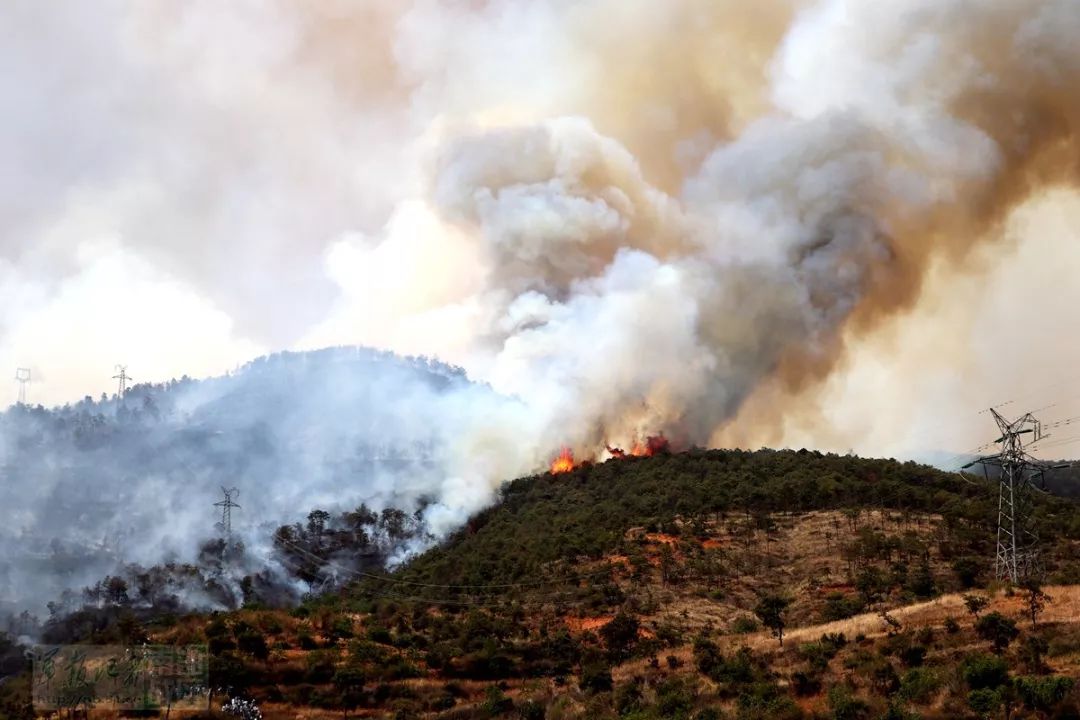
(316,523)
(595,676)
(349,682)
(922,580)
(966,570)
(770,611)
(1035,600)
(707,657)
(1032,650)
(975,604)
(871,584)
(620,636)
(998,630)
(250,640)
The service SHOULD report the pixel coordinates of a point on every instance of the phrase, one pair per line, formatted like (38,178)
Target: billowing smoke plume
(626,217)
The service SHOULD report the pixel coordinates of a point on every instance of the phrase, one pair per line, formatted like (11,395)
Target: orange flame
(652,445)
(564,463)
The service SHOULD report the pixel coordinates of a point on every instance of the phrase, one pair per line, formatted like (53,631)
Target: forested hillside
(700,585)
(91,487)
(550,518)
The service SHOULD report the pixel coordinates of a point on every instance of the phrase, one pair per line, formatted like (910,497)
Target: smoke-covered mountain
(90,486)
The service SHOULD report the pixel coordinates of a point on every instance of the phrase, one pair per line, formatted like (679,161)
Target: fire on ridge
(652,445)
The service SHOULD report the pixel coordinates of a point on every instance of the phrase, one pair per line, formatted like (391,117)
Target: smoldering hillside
(91,487)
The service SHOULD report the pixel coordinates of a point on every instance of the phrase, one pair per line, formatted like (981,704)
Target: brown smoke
(1023,100)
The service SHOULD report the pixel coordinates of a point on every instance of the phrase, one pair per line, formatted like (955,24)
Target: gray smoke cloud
(626,217)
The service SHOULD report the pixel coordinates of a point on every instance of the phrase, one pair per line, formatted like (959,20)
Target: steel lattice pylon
(1018,473)
(226,506)
(22,376)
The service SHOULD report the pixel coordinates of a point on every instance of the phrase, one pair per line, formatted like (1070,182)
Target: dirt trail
(1064,606)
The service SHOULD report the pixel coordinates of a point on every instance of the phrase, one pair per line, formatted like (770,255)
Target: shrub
(837,640)
(913,655)
(761,700)
(997,629)
(1032,650)
(805,683)
(595,677)
(884,679)
(628,698)
(443,702)
(252,642)
(379,634)
(531,710)
(320,667)
(496,702)
(340,628)
(896,712)
(1043,694)
(744,624)
(967,572)
(984,701)
(270,624)
(919,685)
(367,651)
(818,654)
(846,706)
(839,606)
(674,698)
(981,671)
(488,664)
(400,669)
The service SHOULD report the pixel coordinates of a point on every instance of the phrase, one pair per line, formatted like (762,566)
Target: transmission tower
(226,506)
(1018,475)
(22,376)
(122,377)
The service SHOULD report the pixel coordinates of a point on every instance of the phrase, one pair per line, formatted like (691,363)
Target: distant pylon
(122,377)
(226,506)
(1017,554)
(22,376)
